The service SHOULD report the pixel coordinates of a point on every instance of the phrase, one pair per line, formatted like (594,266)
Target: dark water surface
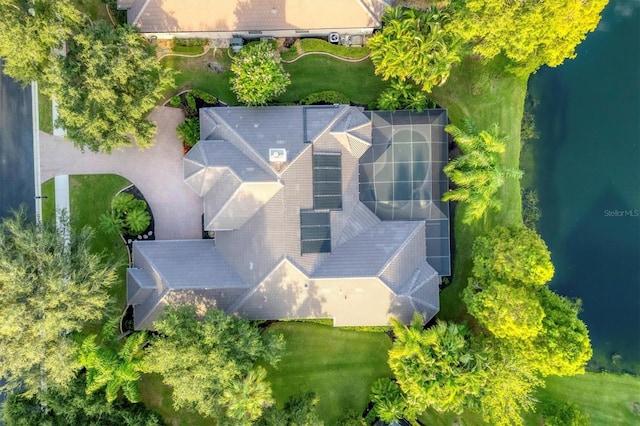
(588,180)
(16,147)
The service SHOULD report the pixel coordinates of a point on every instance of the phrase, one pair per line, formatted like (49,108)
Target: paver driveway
(156,171)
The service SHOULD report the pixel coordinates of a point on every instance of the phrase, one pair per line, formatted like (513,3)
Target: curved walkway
(156,171)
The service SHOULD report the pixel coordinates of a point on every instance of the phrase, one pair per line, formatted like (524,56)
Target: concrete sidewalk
(157,172)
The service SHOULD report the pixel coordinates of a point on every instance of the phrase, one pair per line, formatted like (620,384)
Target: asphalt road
(16,147)
(17,183)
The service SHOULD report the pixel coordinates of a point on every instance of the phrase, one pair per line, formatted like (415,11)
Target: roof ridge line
(254,289)
(331,123)
(402,246)
(264,165)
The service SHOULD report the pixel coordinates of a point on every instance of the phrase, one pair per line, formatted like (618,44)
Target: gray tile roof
(376,268)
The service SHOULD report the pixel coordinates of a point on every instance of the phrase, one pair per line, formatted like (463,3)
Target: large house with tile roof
(223,19)
(290,194)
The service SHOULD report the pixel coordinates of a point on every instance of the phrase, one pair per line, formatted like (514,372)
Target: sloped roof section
(161,16)
(367,254)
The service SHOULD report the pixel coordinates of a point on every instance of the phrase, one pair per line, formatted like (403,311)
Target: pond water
(17,185)
(588,180)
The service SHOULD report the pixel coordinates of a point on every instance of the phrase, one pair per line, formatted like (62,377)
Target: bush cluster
(127,214)
(329,97)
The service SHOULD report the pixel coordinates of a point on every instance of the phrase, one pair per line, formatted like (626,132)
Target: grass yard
(487,94)
(90,196)
(195,73)
(308,75)
(317,45)
(95,9)
(608,399)
(318,73)
(338,365)
(45,112)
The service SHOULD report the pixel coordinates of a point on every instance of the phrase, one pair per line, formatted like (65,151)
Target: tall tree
(29,30)
(562,347)
(106,86)
(111,364)
(49,288)
(478,172)
(298,410)
(506,311)
(415,45)
(441,368)
(388,401)
(510,385)
(515,254)
(258,75)
(209,361)
(73,406)
(531,33)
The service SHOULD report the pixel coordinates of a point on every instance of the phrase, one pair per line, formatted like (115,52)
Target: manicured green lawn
(608,399)
(195,73)
(317,73)
(338,365)
(487,94)
(308,75)
(45,112)
(95,9)
(48,201)
(317,45)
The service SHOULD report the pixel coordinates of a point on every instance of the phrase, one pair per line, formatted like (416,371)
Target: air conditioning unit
(334,38)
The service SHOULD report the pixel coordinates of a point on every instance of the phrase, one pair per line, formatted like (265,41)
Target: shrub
(258,75)
(204,96)
(123,202)
(326,97)
(137,221)
(111,223)
(189,131)
(190,99)
(290,53)
(175,102)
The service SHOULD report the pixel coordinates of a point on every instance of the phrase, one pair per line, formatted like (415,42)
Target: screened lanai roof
(401,175)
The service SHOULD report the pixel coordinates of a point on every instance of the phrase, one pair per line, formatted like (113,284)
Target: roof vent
(277,155)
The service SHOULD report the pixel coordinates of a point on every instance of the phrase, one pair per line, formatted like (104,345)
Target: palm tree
(246,398)
(113,366)
(388,400)
(478,173)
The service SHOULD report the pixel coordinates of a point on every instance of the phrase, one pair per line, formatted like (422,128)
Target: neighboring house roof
(167,16)
(292,238)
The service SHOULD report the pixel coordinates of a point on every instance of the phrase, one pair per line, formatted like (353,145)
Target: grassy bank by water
(608,399)
(485,93)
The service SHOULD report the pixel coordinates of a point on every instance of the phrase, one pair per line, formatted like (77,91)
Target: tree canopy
(515,254)
(298,410)
(49,288)
(106,86)
(441,367)
(258,75)
(209,361)
(73,406)
(530,33)
(29,30)
(478,172)
(415,45)
(111,364)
